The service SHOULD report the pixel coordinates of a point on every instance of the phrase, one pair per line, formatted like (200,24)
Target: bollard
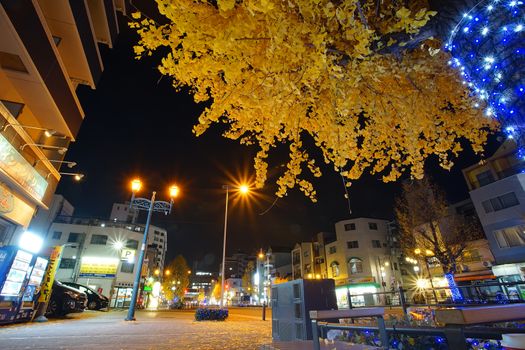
(264,311)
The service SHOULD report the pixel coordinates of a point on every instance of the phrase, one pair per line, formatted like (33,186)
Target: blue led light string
(488,47)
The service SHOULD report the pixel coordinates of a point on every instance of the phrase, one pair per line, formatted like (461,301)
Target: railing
(455,332)
(62,219)
(474,295)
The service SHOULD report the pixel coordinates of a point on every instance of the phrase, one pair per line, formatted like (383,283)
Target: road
(174,330)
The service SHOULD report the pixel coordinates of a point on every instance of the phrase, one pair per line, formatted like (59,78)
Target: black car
(96,301)
(65,300)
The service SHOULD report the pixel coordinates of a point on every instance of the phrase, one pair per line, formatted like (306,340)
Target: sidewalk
(152,330)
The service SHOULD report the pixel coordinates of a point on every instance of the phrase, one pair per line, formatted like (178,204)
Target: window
(12,62)
(99,239)
(332,249)
(485,178)
(404,272)
(352,244)
(67,263)
(14,108)
(372,226)
(355,265)
(73,237)
(57,234)
(511,237)
(501,202)
(57,40)
(306,253)
(350,227)
(335,268)
(132,244)
(127,267)
(376,243)
(395,266)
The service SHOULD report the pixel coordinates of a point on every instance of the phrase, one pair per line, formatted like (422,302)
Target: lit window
(355,265)
(335,268)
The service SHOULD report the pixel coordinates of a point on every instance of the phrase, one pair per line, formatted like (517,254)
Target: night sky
(137,125)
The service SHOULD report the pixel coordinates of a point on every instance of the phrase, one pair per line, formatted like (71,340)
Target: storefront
(121,296)
(361,294)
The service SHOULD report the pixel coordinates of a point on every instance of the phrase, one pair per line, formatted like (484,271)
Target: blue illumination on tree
(488,47)
(454,290)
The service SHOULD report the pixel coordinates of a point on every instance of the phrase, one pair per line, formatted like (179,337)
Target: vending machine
(20,276)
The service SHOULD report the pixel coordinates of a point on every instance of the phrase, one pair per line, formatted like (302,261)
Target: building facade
(47,49)
(497,189)
(360,262)
(102,254)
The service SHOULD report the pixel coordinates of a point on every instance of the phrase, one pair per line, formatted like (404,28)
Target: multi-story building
(309,258)
(157,237)
(47,49)
(497,189)
(359,260)
(102,254)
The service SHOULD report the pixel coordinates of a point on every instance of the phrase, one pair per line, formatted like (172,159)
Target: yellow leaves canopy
(279,72)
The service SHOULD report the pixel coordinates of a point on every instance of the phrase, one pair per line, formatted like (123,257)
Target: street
(243,329)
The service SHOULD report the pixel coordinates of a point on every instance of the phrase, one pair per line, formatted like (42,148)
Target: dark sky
(137,125)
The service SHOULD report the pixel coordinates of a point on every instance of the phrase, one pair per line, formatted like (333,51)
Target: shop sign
(7,200)
(98,267)
(15,165)
(49,277)
(367,279)
(128,255)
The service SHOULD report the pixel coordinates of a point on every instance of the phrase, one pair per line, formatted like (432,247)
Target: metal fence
(473,295)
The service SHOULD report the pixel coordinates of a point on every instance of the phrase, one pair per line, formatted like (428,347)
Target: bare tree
(426,223)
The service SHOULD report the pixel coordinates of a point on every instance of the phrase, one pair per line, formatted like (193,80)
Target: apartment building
(359,260)
(497,189)
(47,49)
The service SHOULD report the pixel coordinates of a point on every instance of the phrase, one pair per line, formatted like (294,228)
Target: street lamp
(150,205)
(428,253)
(243,189)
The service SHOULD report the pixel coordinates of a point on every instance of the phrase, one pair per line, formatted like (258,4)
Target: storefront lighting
(30,242)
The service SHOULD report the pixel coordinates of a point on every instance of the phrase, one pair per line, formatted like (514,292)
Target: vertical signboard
(49,277)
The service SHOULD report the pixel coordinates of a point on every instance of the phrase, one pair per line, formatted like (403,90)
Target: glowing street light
(150,205)
(136,185)
(243,189)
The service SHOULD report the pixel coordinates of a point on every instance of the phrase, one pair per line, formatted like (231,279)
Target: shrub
(204,314)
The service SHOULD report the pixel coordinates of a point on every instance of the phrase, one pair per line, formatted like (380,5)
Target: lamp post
(150,205)
(243,189)
(428,253)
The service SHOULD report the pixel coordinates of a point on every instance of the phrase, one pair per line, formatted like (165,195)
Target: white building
(121,212)
(359,260)
(497,189)
(104,254)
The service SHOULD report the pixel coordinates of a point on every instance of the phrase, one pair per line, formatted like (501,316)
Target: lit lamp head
(174,191)
(244,189)
(167,272)
(30,242)
(78,177)
(261,255)
(136,185)
(50,132)
(157,272)
(118,245)
(417,251)
(428,252)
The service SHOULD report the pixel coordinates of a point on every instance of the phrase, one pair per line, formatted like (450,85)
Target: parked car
(96,301)
(65,300)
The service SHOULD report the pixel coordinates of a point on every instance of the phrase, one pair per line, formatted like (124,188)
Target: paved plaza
(244,329)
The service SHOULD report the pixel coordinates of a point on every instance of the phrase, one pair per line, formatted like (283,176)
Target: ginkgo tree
(297,72)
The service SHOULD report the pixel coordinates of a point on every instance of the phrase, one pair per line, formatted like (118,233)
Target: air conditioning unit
(487,263)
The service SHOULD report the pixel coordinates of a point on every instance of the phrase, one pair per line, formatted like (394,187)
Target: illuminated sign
(98,267)
(49,276)
(20,170)
(128,255)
